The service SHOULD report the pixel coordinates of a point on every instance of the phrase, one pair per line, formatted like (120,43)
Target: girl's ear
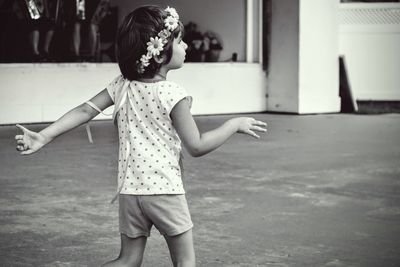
(159,59)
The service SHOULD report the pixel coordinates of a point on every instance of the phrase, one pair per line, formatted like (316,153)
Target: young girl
(152,116)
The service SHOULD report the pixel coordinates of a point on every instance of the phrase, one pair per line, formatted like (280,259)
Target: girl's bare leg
(131,254)
(181,249)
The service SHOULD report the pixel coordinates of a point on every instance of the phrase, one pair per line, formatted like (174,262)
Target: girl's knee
(182,250)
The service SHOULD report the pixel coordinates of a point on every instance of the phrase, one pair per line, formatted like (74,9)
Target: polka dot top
(149,146)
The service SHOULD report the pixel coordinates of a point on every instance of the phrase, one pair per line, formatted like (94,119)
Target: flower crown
(156,44)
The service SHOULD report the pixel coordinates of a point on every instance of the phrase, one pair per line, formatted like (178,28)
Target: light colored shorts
(168,213)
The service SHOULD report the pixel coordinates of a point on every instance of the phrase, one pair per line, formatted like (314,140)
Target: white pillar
(303,68)
(249,30)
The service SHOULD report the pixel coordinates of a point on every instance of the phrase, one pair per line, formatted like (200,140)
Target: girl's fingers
(251,133)
(22,128)
(20,142)
(19,137)
(259,123)
(24,150)
(22,147)
(259,129)
(27,152)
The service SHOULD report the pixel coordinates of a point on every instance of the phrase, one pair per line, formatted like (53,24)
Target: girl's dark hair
(133,35)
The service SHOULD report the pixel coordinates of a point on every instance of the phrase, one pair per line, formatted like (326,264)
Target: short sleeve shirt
(149,146)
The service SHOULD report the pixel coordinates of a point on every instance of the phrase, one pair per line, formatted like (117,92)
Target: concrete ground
(317,190)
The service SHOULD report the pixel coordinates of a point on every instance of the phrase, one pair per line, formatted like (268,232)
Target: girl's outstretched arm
(30,142)
(198,143)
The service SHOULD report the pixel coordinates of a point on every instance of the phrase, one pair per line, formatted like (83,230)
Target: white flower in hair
(171,23)
(164,34)
(145,59)
(155,46)
(140,69)
(173,12)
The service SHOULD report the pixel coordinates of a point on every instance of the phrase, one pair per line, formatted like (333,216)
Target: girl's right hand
(248,126)
(30,141)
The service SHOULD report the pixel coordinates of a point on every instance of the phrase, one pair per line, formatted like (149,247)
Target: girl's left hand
(249,126)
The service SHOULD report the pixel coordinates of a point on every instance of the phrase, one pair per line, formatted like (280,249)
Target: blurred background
(301,57)
(84,30)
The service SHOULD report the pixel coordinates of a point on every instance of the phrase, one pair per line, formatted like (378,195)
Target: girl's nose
(185,46)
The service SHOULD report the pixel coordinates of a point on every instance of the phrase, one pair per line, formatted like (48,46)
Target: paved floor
(317,190)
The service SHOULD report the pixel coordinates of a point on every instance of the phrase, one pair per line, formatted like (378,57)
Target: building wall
(44,92)
(369,39)
(303,69)
(302,75)
(318,57)
(284,56)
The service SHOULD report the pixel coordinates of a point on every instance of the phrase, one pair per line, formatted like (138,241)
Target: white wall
(44,92)
(319,65)
(303,70)
(370,41)
(220,88)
